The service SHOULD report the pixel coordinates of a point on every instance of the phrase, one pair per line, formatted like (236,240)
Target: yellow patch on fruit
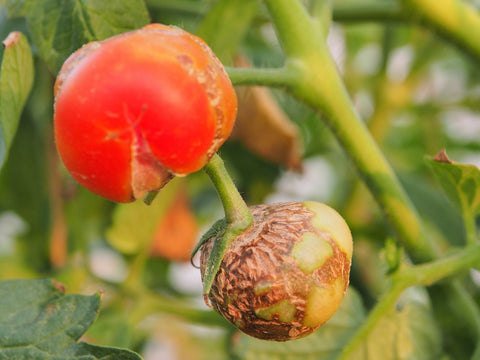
(311,252)
(284,309)
(323,302)
(327,219)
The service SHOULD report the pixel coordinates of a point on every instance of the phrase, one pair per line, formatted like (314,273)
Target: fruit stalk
(237,215)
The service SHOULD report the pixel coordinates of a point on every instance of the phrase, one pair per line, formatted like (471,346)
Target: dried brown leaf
(264,128)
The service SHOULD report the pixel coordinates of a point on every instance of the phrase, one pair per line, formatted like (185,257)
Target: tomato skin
(136,109)
(287,274)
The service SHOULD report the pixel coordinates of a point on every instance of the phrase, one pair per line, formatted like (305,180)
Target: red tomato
(137,109)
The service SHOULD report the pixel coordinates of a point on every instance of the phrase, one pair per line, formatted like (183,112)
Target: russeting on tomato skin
(287,274)
(134,110)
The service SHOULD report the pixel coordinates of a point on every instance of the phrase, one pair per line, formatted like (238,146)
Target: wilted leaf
(264,128)
(461,183)
(134,224)
(326,343)
(177,230)
(16,79)
(59,27)
(38,321)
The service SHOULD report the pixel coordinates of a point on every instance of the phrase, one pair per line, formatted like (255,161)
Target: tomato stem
(236,210)
(237,215)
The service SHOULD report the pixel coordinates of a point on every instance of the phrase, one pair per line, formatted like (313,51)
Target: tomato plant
(369,106)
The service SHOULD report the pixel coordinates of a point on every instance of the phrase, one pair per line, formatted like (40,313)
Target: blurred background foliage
(417,93)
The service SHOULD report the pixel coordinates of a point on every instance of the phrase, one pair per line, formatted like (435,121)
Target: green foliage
(407,333)
(461,183)
(59,27)
(125,234)
(16,81)
(38,321)
(402,92)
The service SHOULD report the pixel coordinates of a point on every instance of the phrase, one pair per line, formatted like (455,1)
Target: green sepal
(216,229)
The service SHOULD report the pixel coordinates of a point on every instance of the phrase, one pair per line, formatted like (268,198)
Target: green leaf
(16,80)
(324,344)
(38,321)
(59,27)
(234,17)
(461,183)
(407,333)
(16,8)
(134,224)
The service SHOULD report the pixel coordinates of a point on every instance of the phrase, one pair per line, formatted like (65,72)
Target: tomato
(136,109)
(287,274)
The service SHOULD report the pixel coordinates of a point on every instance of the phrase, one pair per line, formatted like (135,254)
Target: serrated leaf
(460,182)
(16,80)
(59,27)
(324,344)
(38,321)
(134,224)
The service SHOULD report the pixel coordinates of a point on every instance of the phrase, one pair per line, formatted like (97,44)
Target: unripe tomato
(136,109)
(287,274)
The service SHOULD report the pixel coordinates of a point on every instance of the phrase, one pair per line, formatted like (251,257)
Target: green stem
(194,8)
(318,84)
(264,77)
(321,11)
(236,210)
(237,215)
(377,11)
(455,20)
(470,228)
(429,273)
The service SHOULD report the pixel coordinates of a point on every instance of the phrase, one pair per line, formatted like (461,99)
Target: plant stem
(263,77)
(321,11)
(236,210)
(318,84)
(470,228)
(237,215)
(369,11)
(455,20)
(429,273)
(195,8)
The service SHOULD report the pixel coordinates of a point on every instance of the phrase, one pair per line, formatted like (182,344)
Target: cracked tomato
(136,109)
